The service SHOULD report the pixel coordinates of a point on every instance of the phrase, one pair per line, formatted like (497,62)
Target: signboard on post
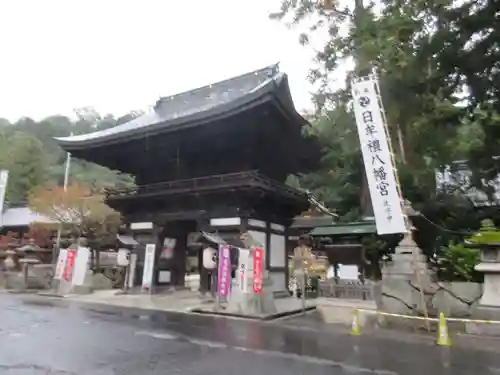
(132,267)
(224,274)
(377,156)
(149,261)
(243,270)
(258,260)
(70,261)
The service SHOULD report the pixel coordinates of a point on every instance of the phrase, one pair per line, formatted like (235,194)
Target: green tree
(422,71)
(417,97)
(78,212)
(32,155)
(27,166)
(336,182)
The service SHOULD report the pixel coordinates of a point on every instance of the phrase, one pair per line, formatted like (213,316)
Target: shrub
(457,263)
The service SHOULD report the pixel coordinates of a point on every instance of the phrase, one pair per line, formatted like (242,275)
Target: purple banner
(224,275)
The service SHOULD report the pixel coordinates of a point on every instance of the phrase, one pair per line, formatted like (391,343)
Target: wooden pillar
(287,246)
(179,260)
(267,245)
(205,280)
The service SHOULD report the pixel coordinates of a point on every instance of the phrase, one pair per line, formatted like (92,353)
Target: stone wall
(454,299)
(39,278)
(457,300)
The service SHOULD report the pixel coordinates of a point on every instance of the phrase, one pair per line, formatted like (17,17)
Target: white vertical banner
(61,264)
(242,272)
(377,158)
(149,261)
(131,270)
(81,266)
(4,177)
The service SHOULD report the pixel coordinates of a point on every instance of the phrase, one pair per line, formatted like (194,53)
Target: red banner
(69,264)
(258,259)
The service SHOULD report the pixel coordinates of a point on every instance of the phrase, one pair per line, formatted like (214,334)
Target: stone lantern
(30,258)
(490,266)
(489,304)
(10,261)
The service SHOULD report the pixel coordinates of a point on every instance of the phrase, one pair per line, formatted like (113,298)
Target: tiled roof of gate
(184,107)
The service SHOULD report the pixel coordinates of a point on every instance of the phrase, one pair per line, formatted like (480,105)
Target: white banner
(242,275)
(131,270)
(149,261)
(61,264)
(4,177)
(377,159)
(81,266)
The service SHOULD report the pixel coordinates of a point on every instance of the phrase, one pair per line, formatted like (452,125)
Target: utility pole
(56,249)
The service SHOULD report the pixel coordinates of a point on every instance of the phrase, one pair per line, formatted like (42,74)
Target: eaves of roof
(161,122)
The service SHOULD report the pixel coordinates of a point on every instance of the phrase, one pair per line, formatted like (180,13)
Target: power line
(445,229)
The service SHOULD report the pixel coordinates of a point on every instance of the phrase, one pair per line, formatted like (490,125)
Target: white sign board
(4,177)
(149,261)
(242,273)
(164,277)
(132,267)
(378,162)
(210,258)
(61,264)
(123,257)
(81,266)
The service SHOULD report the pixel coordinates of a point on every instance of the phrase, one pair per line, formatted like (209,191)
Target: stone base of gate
(340,311)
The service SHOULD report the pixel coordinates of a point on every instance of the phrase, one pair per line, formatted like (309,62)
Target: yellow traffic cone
(355,323)
(443,337)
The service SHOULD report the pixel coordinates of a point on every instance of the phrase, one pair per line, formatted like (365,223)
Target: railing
(248,178)
(346,289)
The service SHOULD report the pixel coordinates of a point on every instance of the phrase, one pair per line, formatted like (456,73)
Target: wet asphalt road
(42,336)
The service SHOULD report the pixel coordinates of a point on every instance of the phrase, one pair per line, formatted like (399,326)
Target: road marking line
(156,335)
(211,344)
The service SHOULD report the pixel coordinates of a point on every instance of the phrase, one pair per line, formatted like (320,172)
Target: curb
(267,317)
(22,291)
(195,310)
(50,294)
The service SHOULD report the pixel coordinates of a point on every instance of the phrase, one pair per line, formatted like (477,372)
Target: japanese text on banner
(377,158)
(70,261)
(258,259)
(224,274)
(148,271)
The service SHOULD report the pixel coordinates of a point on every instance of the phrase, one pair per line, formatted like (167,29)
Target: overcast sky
(121,55)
